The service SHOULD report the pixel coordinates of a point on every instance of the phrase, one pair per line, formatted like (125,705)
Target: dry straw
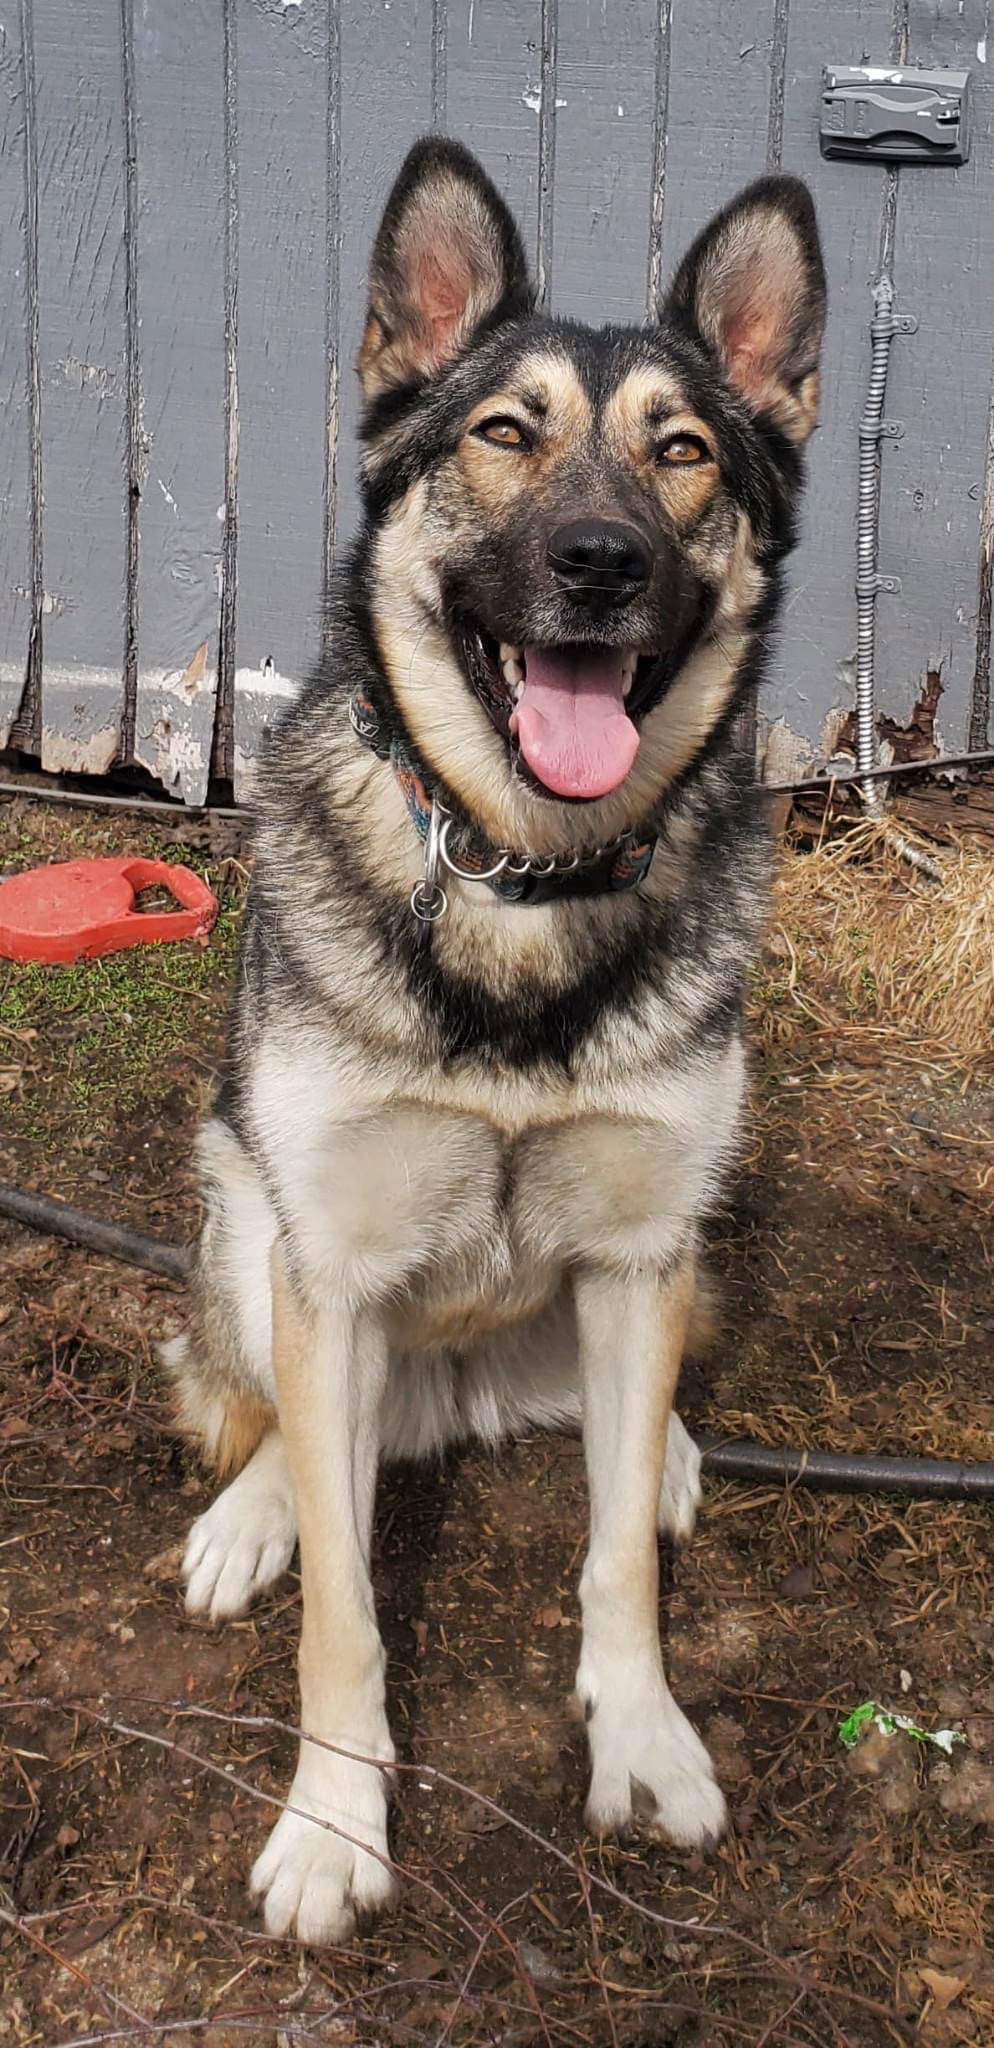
(861,944)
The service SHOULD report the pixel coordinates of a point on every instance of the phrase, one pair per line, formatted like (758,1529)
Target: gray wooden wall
(188,189)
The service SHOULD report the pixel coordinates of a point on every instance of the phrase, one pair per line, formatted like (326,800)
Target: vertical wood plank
(604,159)
(283,229)
(15,443)
(718,111)
(495,67)
(83,379)
(439,63)
(222,760)
(813,666)
(181,191)
(939,385)
(980,710)
(386,102)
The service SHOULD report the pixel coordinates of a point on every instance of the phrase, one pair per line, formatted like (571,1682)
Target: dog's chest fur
(467,1191)
(455,1120)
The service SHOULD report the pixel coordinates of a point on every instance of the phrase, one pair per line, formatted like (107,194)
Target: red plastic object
(79,908)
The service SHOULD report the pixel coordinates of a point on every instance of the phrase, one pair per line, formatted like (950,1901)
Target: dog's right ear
(447,258)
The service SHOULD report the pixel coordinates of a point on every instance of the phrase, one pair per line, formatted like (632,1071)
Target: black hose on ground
(61,1219)
(827,1471)
(844,1472)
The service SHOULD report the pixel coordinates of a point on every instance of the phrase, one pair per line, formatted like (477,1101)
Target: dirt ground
(851,1904)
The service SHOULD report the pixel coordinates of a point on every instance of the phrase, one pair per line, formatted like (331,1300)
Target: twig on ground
(688,1930)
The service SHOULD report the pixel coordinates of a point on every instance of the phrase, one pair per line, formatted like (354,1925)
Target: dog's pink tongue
(571,722)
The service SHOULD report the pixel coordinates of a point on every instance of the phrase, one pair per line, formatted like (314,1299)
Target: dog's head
(576,530)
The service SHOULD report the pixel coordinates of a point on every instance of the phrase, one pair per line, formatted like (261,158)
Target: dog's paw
(242,1544)
(315,1884)
(680,1493)
(652,1771)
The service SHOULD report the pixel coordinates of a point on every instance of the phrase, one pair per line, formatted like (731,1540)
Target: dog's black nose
(599,561)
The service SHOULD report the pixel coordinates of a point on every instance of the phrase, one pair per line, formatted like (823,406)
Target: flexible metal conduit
(829,1471)
(873,428)
(882,331)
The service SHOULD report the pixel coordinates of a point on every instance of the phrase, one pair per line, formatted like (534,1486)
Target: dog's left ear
(447,258)
(753,286)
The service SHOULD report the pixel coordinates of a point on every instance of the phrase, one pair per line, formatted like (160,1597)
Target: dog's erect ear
(753,286)
(448,257)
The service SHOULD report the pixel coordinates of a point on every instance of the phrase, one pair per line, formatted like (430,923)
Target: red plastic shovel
(76,909)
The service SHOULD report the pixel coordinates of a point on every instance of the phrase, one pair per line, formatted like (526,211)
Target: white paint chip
(982,50)
(532,97)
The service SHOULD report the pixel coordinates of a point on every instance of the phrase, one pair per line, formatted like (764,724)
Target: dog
(486,1064)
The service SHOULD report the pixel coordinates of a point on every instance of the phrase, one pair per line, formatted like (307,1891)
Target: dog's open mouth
(568,712)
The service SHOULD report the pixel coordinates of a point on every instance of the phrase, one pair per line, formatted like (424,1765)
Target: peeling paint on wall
(80,729)
(175,726)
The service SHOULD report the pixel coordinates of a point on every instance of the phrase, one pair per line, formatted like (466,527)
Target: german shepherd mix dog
(486,1062)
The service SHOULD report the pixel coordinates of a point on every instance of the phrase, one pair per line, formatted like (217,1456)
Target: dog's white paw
(680,1493)
(245,1541)
(651,1770)
(315,1884)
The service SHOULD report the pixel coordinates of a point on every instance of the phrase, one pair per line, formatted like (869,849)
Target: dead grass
(863,945)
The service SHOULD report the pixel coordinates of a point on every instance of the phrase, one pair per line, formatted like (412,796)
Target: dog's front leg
(330,1366)
(648,1763)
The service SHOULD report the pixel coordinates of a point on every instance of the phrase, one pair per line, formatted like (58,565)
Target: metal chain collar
(428,898)
(434,823)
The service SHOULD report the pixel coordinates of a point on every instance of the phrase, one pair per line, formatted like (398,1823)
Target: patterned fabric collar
(621,864)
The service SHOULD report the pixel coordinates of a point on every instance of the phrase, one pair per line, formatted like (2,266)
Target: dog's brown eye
(683,450)
(504,433)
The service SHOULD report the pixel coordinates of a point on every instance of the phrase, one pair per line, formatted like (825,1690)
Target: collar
(452,843)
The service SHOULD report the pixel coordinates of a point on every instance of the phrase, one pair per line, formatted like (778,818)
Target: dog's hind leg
(528,1377)
(222,1377)
(245,1541)
(681,1492)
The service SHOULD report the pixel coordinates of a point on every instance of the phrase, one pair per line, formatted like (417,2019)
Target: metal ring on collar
(428,899)
(465,874)
(428,906)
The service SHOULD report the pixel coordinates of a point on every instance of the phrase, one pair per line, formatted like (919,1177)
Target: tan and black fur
(456,1174)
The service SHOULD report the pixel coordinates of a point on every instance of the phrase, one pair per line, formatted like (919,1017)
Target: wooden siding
(188,189)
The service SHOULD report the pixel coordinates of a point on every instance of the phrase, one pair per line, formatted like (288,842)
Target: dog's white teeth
(628,666)
(512,670)
(508,652)
(518,687)
(626,685)
(513,724)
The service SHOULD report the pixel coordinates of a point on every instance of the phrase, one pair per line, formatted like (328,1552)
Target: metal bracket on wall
(885,113)
(880,430)
(868,586)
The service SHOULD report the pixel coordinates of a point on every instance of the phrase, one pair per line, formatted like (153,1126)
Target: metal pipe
(99,801)
(824,784)
(61,1219)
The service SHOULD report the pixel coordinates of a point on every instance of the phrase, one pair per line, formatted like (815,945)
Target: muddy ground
(851,1904)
